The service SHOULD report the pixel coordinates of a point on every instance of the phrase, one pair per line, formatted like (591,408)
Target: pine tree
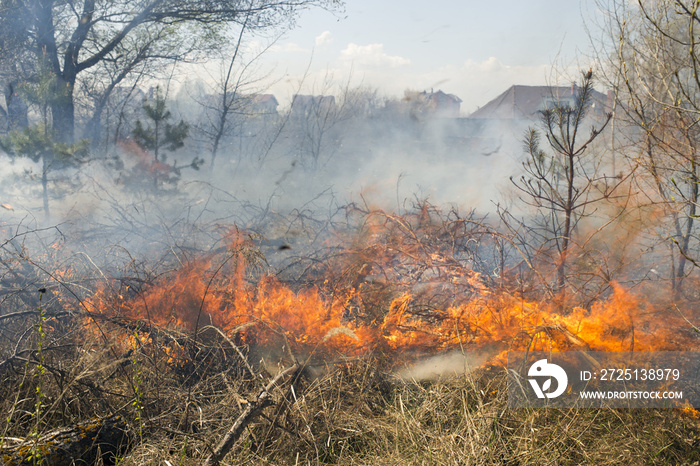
(159,134)
(40,142)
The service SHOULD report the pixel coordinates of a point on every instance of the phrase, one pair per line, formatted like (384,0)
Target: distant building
(427,104)
(305,105)
(497,128)
(525,102)
(263,104)
(441,104)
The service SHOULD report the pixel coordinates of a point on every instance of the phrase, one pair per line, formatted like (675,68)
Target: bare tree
(236,94)
(652,52)
(317,121)
(138,59)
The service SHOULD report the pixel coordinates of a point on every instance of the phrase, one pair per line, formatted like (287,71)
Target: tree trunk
(93,128)
(45,186)
(694,194)
(63,117)
(568,212)
(17,111)
(61,94)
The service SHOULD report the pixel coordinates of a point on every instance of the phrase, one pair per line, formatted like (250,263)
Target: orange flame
(396,290)
(271,314)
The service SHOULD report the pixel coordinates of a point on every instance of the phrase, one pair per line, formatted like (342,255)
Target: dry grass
(355,413)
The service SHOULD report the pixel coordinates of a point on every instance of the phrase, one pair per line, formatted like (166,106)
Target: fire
(329,321)
(688,411)
(143,161)
(399,287)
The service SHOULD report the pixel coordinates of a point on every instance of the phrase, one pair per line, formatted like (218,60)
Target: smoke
(444,365)
(285,177)
(379,161)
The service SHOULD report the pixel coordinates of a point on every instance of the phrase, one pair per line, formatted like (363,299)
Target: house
(263,104)
(525,102)
(496,130)
(307,105)
(442,105)
(434,104)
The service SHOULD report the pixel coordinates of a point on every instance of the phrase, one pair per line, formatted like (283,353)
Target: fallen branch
(89,442)
(252,410)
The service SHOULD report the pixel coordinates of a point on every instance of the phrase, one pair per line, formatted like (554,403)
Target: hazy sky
(474,49)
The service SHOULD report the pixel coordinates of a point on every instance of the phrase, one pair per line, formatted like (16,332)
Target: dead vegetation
(358,413)
(208,355)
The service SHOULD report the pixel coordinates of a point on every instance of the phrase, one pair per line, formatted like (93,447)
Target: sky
(473,49)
